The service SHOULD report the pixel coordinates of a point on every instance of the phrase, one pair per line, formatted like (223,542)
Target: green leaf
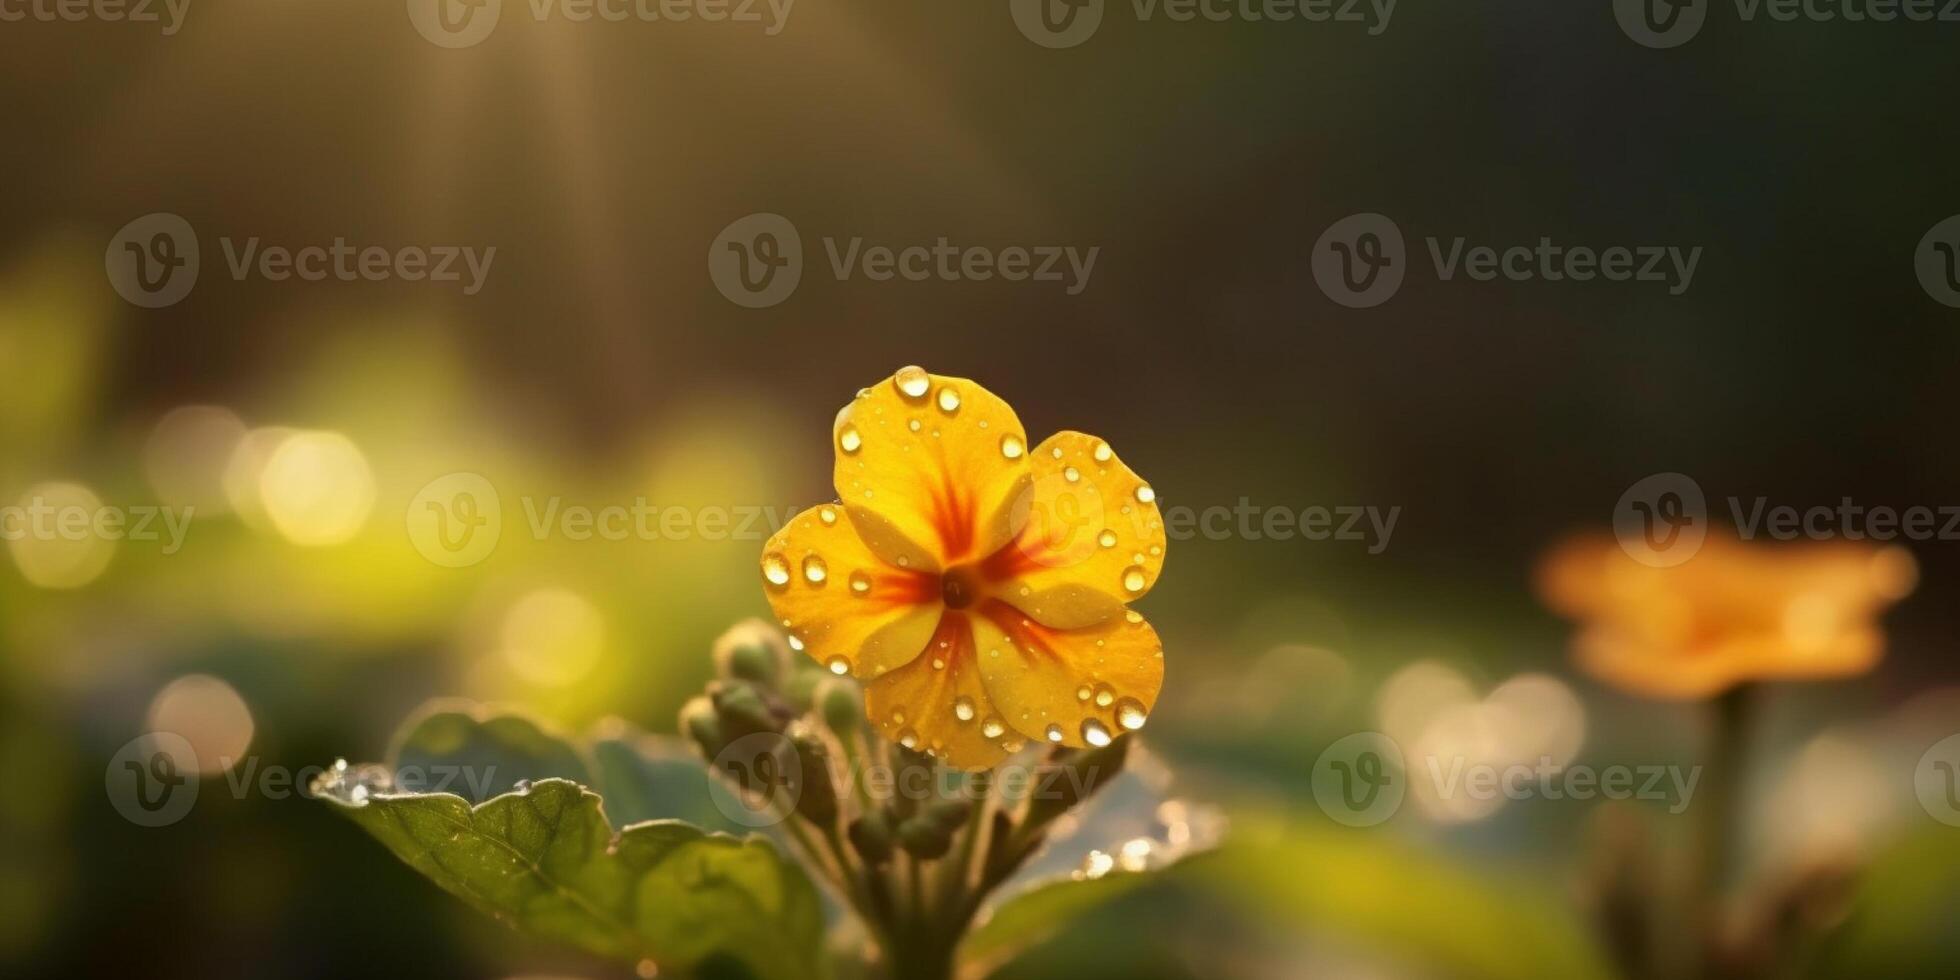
(1045,911)
(1901,921)
(477,752)
(647,777)
(545,860)
(1367,887)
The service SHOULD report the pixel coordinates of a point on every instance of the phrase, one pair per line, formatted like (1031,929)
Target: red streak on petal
(1029,636)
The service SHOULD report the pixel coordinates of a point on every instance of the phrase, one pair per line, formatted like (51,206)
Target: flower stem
(1727,747)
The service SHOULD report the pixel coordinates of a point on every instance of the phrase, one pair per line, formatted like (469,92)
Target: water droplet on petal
(1071,474)
(1131,615)
(775,569)
(839,666)
(993,727)
(828,515)
(913,425)
(1107,539)
(949,399)
(1145,494)
(1105,696)
(1083,693)
(814,570)
(963,708)
(1102,452)
(912,381)
(860,583)
(1012,447)
(1054,733)
(795,644)
(1095,733)
(1130,714)
(848,439)
(909,739)
(1133,579)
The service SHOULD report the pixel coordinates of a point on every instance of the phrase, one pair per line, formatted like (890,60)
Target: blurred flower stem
(1730,715)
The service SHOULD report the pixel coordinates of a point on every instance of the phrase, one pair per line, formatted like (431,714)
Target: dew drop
(1071,474)
(814,570)
(1102,452)
(912,381)
(1105,696)
(839,666)
(1132,616)
(1107,539)
(1145,494)
(1054,733)
(913,425)
(1095,733)
(860,583)
(1012,447)
(795,644)
(949,399)
(909,739)
(775,569)
(1012,745)
(1130,714)
(828,515)
(1133,579)
(993,727)
(1056,452)
(963,708)
(1083,693)
(848,439)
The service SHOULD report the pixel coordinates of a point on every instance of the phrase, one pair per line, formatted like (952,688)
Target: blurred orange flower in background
(975,584)
(1733,613)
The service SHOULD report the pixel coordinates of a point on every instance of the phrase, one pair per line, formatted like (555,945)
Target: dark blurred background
(600,363)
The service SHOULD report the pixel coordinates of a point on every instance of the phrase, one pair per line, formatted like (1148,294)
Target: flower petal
(1070,687)
(936,457)
(840,602)
(1089,535)
(936,703)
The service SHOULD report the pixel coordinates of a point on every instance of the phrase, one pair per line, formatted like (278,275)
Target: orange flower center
(960,586)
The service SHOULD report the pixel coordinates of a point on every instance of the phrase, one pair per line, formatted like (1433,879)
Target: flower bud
(700,725)
(840,702)
(948,815)
(800,688)
(742,710)
(923,838)
(752,650)
(871,836)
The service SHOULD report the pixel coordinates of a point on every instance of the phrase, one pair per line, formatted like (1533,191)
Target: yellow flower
(1734,613)
(976,584)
